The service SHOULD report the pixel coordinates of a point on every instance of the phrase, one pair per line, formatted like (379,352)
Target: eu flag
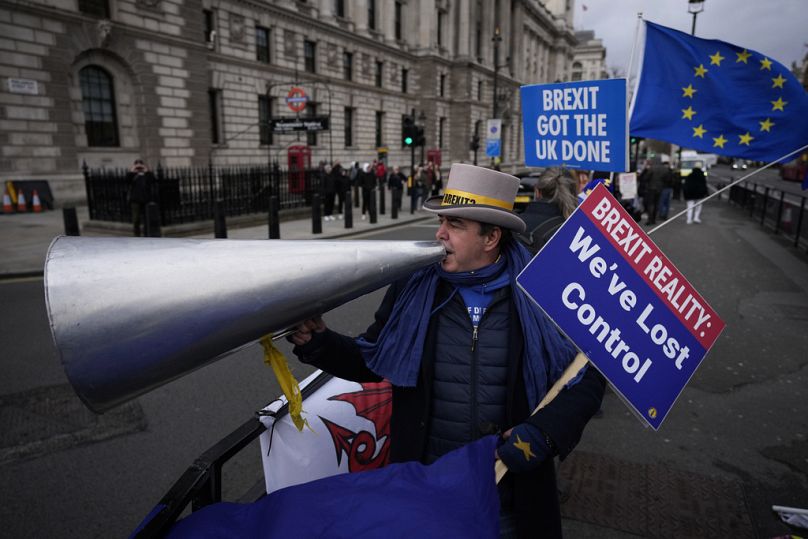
(456,496)
(717,97)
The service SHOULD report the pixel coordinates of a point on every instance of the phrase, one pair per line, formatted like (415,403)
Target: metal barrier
(781,212)
(188,195)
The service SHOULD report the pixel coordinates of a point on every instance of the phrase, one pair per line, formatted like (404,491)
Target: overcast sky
(775,28)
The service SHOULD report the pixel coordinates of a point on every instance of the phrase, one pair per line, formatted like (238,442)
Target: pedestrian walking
(367,181)
(396,184)
(695,189)
(141,184)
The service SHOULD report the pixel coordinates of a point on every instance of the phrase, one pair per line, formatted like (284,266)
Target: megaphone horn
(131,314)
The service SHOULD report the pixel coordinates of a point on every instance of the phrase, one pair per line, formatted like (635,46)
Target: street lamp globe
(695,7)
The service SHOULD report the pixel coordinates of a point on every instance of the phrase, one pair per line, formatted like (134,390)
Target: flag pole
(631,62)
(736,182)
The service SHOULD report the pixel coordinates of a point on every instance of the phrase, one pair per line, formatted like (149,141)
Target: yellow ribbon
(275,359)
(452,197)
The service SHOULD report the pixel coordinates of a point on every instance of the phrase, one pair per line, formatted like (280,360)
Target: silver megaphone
(131,314)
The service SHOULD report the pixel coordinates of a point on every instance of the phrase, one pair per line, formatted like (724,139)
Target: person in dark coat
(695,189)
(367,181)
(329,191)
(396,184)
(340,186)
(554,199)
(141,184)
(653,179)
(469,355)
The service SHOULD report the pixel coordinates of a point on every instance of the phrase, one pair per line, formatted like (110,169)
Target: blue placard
(610,289)
(492,147)
(576,124)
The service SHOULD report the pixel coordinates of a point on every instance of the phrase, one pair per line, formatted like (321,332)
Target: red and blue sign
(577,124)
(613,292)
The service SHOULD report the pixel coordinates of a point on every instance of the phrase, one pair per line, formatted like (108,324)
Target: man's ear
(491,240)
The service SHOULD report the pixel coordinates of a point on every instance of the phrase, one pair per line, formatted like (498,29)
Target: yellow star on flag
(700,71)
(778,82)
(746,138)
(779,104)
(766,64)
(716,58)
(766,125)
(699,131)
(743,56)
(689,91)
(688,113)
(524,447)
(719,141)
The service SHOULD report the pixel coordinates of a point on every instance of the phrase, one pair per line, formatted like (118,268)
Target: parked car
(527,184)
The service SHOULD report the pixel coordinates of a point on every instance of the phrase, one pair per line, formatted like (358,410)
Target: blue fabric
(589,187)
(733,100)
(456,496)
(524,449)
(478,297)
(396,355)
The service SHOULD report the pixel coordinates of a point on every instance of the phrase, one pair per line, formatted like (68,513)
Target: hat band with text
(453,197)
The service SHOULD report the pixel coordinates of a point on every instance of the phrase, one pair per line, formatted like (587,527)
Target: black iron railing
(187,195)
(781,212)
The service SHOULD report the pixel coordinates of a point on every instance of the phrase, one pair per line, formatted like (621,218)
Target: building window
(441,126)
(372,14)
(215,111)
(309,56)
(264,115)
(441,17)
(97,8)
(339,8)
(210,27)
(379,129)
(347,65)
(311,136)
(442,84)
(348,127)
(262,44)
(479,90)
(577,71)
(98,104)
(404,73)
(398,21)
(379,74)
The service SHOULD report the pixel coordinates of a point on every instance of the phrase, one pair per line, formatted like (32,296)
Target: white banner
(350,432)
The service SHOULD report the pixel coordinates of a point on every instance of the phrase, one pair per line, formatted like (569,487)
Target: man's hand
(305,330)
(523,448)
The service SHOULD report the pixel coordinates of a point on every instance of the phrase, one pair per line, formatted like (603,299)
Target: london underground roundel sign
(296,99)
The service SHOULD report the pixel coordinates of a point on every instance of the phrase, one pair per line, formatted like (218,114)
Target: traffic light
(408,132)
(474,145)
(420,139)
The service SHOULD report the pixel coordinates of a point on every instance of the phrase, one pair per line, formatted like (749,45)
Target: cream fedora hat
(479,194)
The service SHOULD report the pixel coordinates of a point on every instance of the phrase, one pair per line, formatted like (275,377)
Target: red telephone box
(434,156)
(299,158)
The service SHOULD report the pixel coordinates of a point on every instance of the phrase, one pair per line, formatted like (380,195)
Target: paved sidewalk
(24,238)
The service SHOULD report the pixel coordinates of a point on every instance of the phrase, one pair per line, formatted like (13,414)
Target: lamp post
(496,39)
(421,124)
(695,7)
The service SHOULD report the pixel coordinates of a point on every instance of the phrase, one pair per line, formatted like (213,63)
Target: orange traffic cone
(7,207)
(36,202)
(22,204)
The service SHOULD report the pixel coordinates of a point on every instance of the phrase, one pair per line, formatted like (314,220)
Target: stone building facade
(193,82)
(589,58)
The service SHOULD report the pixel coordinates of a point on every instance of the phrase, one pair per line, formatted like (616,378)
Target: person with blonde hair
(554,200)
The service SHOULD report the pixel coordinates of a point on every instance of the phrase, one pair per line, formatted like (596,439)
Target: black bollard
(316,223)
(71,221)
(394,203)
(372,208)
(348,210)
(381,200)
(274,221)
(219,223)
(153,220)
(356,196)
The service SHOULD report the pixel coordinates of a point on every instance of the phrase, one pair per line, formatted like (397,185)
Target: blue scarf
(396,355)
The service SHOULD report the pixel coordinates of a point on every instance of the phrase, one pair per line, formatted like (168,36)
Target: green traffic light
(408,141)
